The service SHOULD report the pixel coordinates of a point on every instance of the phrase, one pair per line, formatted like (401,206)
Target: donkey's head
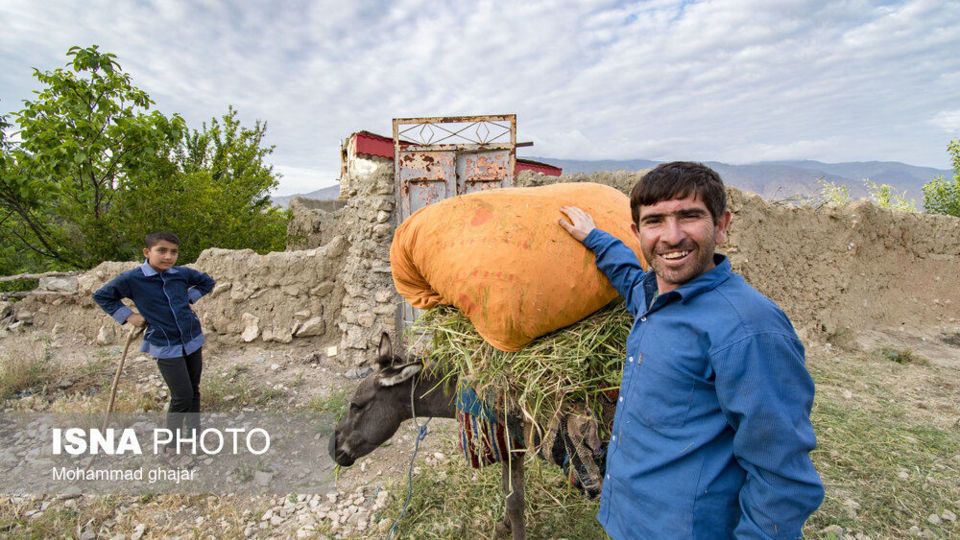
(380,405)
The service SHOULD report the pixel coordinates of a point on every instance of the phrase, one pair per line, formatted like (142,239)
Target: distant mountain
(325,194)
(574,166)
(772,180)
(775,180)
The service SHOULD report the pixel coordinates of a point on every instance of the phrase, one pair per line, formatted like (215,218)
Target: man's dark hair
(678,180)
(154,238)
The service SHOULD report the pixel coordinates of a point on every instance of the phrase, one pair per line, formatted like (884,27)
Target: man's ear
(721,227)
(635,230)
(146,253)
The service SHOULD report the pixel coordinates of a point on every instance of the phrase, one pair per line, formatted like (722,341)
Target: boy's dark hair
(678,180)
(154,238)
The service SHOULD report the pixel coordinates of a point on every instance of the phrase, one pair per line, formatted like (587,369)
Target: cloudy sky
(728,80)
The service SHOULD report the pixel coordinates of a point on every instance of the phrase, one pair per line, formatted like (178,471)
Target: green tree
(93,170)
(81,141)
(941,196)
(220,196)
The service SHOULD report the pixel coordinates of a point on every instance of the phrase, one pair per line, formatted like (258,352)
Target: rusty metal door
(440,157)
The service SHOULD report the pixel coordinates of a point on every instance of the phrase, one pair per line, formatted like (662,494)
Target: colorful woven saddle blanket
(485,437)
(576,440)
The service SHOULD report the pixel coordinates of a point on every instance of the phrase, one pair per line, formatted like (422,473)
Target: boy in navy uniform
(162,294)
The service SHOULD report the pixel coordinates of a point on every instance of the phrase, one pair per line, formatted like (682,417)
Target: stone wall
(370,302)
(274,297)
(829,269)
(313,223)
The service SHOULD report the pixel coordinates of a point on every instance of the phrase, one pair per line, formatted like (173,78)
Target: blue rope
(421,434)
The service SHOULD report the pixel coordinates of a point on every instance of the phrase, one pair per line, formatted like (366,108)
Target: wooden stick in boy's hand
(116,377)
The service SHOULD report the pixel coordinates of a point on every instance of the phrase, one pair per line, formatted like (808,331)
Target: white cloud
(303,180)
(948,121)
(727,80)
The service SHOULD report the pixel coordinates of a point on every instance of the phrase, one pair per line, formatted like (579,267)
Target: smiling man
(712,434)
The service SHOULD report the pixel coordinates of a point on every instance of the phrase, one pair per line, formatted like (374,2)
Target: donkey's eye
(354,406)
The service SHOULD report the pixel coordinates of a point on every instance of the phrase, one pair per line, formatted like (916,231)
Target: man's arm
(766,394)
(618,262)
(199,284)
(108,298)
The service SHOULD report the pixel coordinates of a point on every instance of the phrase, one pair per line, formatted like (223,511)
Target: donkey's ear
(385,350)
(397,375)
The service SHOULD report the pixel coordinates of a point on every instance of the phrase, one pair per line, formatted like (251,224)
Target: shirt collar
(704,282)
(149,270)
(708,280)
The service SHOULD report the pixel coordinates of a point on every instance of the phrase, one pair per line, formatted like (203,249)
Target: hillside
(778,180)
(324,194)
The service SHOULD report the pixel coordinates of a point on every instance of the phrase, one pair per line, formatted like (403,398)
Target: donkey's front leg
(512,479)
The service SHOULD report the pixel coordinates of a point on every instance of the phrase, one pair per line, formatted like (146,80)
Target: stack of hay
(573,365)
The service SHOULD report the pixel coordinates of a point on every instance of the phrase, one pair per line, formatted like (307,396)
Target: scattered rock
(358,373)
(107,335)
(934,519)
(311,358)
(947,515)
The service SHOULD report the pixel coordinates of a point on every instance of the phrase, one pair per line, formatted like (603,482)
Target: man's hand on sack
(580,224)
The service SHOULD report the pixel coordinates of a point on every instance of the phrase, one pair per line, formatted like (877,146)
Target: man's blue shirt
(712,434)
(163,299)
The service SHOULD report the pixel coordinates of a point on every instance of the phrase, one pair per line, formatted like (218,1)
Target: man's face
(678,237)
(162,255)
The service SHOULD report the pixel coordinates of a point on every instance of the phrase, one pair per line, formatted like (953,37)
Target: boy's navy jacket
(163,299)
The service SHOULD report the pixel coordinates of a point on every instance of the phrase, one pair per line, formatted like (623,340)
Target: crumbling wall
(313,223)
(622,180)
(830,269)
(370,301)
(858,267)
(274,297)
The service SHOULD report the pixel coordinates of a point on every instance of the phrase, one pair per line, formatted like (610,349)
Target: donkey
(396,391)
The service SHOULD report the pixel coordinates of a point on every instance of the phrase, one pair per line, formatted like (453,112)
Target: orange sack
(501,258)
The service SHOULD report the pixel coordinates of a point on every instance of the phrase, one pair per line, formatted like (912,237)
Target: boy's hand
(137,320)
(581,223)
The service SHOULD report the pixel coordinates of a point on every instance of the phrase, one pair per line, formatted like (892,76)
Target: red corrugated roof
(371,144)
